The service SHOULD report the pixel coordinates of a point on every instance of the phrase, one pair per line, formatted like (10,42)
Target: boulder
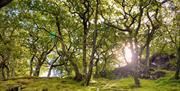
(14,88)
(122,72)
(157,74)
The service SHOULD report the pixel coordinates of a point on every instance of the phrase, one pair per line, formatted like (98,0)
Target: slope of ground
(67,84)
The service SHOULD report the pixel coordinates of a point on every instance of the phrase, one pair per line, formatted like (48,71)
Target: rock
(162,60)
(14,88)
(122,72)
(103,73)
(157,75)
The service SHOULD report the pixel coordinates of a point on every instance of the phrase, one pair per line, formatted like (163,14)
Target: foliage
(81,38)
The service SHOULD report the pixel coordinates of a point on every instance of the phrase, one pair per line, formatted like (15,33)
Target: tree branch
(4,3)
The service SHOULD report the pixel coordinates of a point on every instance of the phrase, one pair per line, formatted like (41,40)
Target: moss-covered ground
(101,84)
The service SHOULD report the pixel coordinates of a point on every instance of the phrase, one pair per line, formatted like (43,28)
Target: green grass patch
(101,84)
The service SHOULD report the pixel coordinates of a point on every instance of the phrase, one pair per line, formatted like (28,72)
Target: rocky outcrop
(162,61)
(121,72)
(157,74)
(157,61)
(14,88)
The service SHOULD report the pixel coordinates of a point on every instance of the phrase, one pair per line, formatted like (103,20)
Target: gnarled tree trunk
(78,75)
(178,64)
(37,69)
(95,34)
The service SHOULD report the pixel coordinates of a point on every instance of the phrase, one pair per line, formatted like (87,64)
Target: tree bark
(4,3)
(103,71)
(49,72)
(97,68)
(31,66)
(133,46)
(37,69)
(13,73)
(67,69)
(178,64)
(95,34)
(5,75)
(7,71)
(147,54)
(51,66)
(78,75)
(147,70)
(84,47)
(2,73)
(3,66)
(136,79)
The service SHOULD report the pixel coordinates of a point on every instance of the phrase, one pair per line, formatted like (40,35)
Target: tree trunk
(51,66)
(136,80)
(31,66)
(147,55)
(37,69)
(78,75)
(135,70)
(67,69)
(97,68)
(84,48)
(4,2)
(7,71)
(2,73)
(134,48)
(13,73)
(104,66)
(95,34)
(5,74)
(147,70)
(103,71)
(135,74)
(49,72)
(178,64)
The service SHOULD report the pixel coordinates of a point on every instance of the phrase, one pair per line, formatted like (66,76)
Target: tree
(131,17)
(75,37)
(4,3)
(94,47)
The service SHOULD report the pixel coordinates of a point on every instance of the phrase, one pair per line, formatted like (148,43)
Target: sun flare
(124,55)
(128,54)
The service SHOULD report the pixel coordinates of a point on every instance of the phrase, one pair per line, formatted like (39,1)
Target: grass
(67,84)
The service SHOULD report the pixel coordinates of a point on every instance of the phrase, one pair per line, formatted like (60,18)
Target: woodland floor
(67,84)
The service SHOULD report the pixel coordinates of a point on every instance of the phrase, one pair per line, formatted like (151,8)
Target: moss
(101,84)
